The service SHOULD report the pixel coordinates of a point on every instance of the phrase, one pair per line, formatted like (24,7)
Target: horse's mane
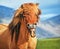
(14,26)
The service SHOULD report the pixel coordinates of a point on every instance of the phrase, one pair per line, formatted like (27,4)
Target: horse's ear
(39,11)
(37,4)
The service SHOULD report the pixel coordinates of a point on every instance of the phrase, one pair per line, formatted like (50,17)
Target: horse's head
(31,16)
(28,13)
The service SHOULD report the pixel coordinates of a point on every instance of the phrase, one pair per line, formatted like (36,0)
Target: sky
(48,7)
(15,4)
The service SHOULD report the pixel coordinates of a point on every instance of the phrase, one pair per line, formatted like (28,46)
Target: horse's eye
(27,24)
(35,23)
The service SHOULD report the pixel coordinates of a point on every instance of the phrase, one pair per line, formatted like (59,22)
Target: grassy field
(51,43)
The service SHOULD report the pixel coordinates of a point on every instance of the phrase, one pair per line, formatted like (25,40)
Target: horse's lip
(32,29)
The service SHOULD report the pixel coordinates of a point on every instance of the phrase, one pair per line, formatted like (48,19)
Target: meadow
(49,43)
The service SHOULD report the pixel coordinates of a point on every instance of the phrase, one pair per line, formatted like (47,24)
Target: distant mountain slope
(49,27)
(55,20)
(41,33)
(6,13)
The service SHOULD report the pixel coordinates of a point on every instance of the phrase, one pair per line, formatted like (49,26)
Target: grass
(51,43)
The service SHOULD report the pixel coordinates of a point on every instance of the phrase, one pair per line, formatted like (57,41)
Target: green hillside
(51,43)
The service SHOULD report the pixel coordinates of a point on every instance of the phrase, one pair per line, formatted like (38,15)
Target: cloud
(14,4)
(47,16)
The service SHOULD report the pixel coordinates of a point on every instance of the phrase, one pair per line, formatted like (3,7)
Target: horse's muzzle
(32,33)
(32,28)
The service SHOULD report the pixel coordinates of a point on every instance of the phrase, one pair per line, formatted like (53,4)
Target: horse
(2,28)
(20,33)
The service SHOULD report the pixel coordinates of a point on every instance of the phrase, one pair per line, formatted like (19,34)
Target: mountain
(41,33)
(49,28)
(53,20)
(6,13)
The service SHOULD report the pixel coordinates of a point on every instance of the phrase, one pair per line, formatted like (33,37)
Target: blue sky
(50,7)
(16,3)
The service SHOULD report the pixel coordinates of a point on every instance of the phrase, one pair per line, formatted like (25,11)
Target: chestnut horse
(20,33)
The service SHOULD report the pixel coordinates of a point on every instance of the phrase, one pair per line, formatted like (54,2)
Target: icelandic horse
(20,33)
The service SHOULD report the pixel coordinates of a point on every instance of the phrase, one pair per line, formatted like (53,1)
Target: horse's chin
(33,33)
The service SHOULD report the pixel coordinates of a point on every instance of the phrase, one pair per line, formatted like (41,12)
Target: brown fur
(2,28)
(17,34)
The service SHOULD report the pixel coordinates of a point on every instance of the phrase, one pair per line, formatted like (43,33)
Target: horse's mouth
(32,32)
(31,29)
